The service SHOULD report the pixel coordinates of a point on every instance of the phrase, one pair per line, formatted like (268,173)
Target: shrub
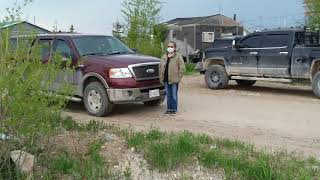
(190,68)
(29,110)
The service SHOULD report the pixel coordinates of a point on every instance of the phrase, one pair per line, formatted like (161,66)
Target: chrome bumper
(121,96)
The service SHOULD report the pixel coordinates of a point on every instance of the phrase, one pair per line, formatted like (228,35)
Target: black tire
(316,84)
(246,83)
(216,77)
(157,102)
(96,100)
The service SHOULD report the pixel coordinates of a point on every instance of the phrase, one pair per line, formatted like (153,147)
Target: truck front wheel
(216,77)
(96,100)
(245,83)
(316,84)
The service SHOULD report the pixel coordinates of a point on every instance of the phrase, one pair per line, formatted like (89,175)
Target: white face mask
(170,50)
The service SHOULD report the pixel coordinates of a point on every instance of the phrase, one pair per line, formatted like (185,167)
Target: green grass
(70,125)
(74,164)
(239,160)
(63,163)
(190,69)
(164,155)
(90,166)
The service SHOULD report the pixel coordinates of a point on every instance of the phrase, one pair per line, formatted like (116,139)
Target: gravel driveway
(270,115)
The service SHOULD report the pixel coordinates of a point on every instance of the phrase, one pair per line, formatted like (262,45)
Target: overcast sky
(97,16)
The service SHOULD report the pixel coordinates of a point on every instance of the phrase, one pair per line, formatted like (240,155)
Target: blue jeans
(172,96)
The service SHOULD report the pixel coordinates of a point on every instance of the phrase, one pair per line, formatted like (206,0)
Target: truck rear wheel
(216,77)
(245,83)
(316,84)
(96,100)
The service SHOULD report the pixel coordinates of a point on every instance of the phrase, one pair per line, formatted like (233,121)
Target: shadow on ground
(121,109)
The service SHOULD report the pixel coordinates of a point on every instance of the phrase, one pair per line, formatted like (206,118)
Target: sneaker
(167,113)
(173,113)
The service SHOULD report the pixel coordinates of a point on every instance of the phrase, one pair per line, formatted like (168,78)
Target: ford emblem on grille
(150,71)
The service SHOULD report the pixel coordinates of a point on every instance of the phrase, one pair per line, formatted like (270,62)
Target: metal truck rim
(94,100)
(215,77)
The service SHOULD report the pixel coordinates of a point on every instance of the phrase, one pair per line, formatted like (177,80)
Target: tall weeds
(29,110)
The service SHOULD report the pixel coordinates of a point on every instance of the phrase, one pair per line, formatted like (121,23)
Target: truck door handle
(253,53)
(283,53)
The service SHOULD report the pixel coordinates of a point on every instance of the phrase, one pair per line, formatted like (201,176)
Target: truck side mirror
(135,50)
(236,44)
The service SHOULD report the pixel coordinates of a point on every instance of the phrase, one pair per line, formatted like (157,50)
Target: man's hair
(174,43)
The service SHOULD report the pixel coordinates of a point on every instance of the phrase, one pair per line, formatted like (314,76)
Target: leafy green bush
(190,68)
(29,109)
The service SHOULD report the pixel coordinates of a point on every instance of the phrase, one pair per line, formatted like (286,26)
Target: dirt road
(270,115)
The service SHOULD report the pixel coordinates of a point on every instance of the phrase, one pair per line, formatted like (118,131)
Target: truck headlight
(119,73)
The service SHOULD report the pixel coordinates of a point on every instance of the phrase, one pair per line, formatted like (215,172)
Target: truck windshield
(100,45)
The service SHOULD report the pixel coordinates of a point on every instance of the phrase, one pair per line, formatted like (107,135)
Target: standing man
(171,70)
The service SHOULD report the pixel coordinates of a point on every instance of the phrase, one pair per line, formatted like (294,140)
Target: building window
(207,37)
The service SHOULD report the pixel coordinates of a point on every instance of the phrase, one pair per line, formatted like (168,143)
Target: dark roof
(217,19)
(10,24)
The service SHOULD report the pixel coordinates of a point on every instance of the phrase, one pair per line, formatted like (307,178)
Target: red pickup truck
(107,72)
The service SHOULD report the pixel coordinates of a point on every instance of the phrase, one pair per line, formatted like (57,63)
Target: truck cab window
(299,38)
(63,49)
(251,42)
(308,38)
(276,40)
(45,48)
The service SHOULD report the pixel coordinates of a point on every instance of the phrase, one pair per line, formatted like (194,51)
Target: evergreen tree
(118,30)
(71,29)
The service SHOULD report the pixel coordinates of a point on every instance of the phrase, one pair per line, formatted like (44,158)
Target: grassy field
(168,151)
(76,153)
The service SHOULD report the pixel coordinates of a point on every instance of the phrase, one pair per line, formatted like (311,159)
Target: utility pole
(220,12)
(194,37)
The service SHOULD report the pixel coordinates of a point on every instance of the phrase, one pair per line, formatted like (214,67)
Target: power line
(289,20)
(274,17)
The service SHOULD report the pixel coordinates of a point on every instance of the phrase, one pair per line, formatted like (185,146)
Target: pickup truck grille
(145,71)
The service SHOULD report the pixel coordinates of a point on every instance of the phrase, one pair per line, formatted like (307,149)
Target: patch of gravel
(134,165)
(139,170)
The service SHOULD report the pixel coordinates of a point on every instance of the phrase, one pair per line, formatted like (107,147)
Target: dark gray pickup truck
(276,55)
